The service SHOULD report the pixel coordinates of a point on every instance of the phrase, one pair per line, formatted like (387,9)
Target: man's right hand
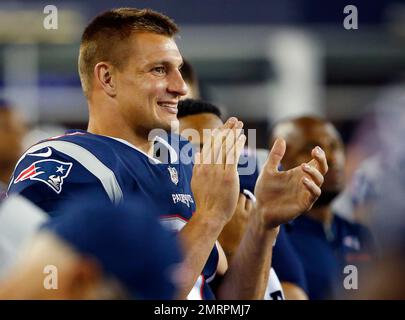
(215,180)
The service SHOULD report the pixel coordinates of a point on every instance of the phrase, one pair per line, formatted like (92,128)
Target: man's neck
(122,131)
(322,214)
(105,119)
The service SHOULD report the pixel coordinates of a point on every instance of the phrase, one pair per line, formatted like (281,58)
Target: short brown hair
(104,39)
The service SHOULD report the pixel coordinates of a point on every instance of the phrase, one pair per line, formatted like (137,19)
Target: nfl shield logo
(173,175)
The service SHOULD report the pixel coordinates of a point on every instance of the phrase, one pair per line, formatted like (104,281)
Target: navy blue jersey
(109,169)
(325,253)
(287,263)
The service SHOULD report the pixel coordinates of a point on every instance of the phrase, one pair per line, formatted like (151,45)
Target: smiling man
(129,66)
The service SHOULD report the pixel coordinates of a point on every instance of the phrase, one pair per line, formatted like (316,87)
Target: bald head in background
(302,134)
(325,242)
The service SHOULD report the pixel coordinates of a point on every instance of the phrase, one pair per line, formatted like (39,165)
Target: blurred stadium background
(259,60)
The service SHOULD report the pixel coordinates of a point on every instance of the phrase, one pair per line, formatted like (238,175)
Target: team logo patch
(51,172)
(173,175)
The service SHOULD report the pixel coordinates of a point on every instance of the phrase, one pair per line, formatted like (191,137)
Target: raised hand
(284,195)
(215,181)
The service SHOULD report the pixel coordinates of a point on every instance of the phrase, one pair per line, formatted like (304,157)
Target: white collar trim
(173,153)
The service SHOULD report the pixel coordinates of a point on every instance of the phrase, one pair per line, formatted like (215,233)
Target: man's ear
(85,279)
(104,76)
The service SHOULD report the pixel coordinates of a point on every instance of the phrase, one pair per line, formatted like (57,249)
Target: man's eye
(159,70)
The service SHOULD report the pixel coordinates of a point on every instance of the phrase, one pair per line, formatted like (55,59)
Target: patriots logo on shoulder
(49,171)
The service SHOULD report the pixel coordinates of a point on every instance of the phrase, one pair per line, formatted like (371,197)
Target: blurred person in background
(41,132)
(374,152)
(97,251)
(12,131)
(378,189)
(363,161)
(199,115)
(325,242)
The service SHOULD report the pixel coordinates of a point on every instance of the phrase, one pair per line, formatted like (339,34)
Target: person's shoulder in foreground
(99,252)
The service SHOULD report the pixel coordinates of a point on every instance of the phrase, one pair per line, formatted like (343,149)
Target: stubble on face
(149,88)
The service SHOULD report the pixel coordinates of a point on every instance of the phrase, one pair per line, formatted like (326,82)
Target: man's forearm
(248,273)
(198,238)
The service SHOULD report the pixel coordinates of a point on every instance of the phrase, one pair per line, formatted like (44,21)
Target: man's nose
(177,85)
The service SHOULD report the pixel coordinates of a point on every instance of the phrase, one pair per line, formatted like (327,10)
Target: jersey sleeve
(48,175)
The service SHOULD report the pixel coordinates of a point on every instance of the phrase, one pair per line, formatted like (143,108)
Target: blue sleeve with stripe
(48,177)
